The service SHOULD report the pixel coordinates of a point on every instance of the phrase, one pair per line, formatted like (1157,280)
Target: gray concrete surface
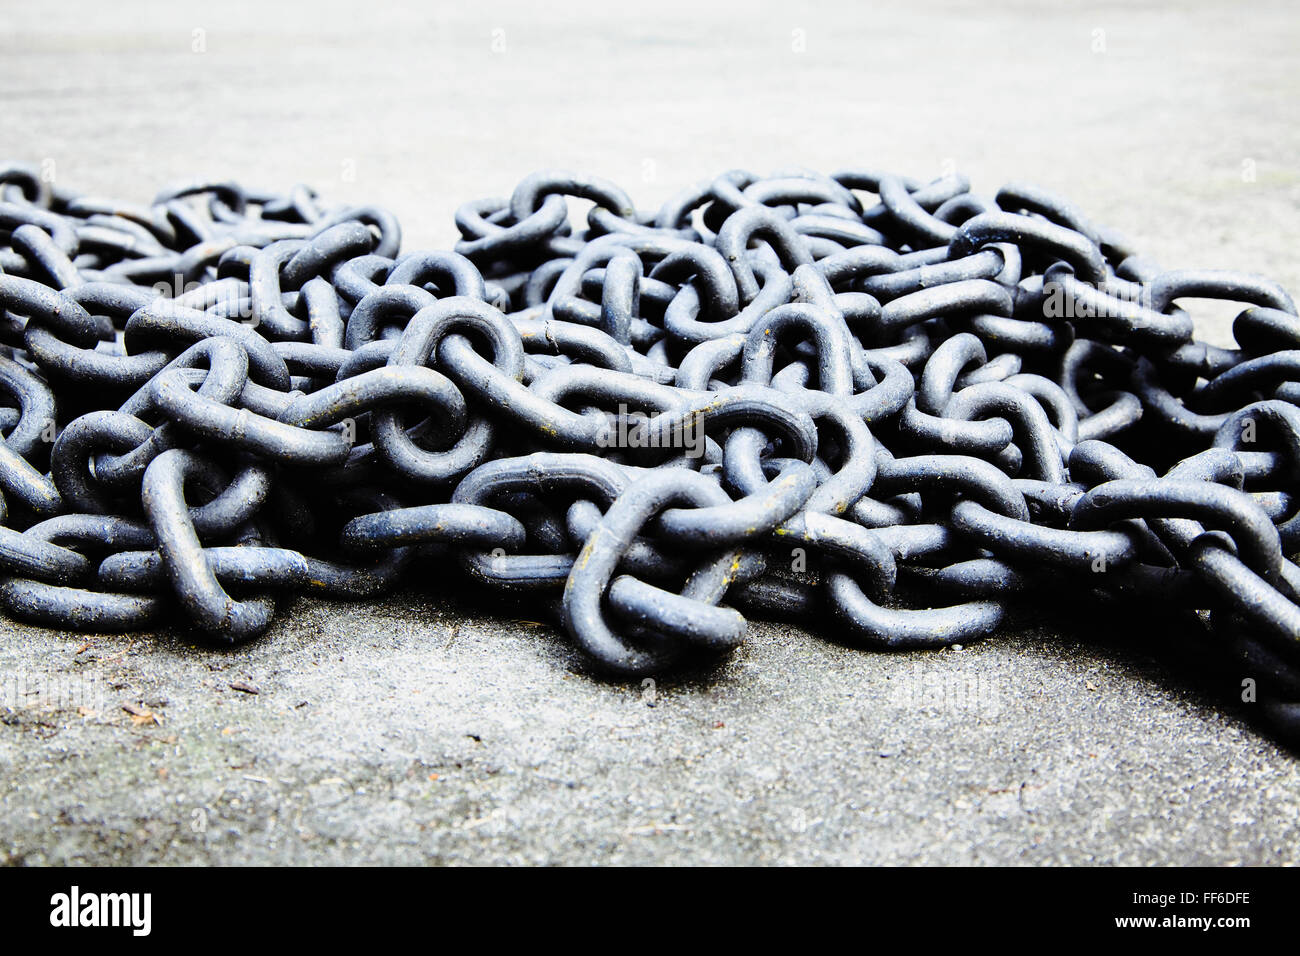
(423,729)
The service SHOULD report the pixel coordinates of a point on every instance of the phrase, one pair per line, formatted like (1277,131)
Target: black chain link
(803,395)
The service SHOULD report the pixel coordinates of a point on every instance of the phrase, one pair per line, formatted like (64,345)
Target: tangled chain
(853,395)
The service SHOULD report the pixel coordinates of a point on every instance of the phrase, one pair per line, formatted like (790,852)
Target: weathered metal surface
(845,398)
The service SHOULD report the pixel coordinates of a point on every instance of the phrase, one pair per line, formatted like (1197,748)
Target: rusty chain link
(890,408)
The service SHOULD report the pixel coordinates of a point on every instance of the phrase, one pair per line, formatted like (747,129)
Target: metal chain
(839,400)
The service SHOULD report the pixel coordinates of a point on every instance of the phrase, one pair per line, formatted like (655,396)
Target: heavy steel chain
(839,400)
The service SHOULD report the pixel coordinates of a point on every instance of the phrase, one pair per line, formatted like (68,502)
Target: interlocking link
(891,409)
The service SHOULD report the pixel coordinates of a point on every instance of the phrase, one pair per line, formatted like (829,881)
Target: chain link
(840,400)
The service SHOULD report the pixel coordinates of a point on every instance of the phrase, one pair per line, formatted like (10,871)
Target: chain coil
(861,402)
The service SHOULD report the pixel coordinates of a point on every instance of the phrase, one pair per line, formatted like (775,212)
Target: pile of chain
(857,401)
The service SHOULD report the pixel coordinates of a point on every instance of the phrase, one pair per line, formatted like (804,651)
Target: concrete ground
(428,729)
